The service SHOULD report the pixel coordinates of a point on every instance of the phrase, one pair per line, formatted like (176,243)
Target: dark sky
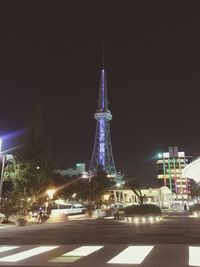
(51,53)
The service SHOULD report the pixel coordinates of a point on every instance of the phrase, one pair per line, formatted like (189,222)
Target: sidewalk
(79,217)
(6,226)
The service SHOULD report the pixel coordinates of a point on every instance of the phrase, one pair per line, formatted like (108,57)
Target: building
(161,197)
(193,170)
(170,167)
(102,156)
(79,170)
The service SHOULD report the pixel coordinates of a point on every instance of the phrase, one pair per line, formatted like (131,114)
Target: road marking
(194,258)
(83,251)
(27,254)
(76,254)
(7,248)
(132,255)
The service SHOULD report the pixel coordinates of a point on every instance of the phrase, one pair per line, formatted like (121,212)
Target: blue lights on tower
(102,151)
(102,124)
(102,142)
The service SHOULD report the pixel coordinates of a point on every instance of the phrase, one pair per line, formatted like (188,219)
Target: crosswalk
(165,255)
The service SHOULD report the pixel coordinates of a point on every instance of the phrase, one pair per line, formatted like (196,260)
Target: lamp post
(50,193)
(2,170)
(86,176)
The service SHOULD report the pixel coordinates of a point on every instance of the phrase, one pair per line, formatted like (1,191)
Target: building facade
(161,197)
(170,167)
(79,170)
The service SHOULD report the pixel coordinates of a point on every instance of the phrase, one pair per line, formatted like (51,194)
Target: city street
(166,243)
(99,134)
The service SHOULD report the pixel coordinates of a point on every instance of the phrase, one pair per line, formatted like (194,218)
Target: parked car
(75,208)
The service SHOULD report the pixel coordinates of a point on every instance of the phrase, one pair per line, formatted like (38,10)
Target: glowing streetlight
(85,176)
(160,155)
(50,193)
(74,195)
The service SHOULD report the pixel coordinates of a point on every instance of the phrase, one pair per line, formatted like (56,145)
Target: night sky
(51,53)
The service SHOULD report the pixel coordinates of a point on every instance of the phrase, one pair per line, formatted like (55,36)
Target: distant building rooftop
(80,169)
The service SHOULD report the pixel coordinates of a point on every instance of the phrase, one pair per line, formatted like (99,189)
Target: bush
(146,209)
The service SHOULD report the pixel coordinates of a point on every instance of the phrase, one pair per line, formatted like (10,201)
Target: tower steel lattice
(102,151)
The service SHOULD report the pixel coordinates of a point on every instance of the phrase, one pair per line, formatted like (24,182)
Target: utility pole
(2,175)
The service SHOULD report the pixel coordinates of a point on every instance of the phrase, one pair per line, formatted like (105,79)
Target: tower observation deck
(102,155)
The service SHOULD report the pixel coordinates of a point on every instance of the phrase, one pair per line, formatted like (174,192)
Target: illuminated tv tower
(102,155)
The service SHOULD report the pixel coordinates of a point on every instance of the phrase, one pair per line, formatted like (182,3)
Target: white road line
(194,258)
(132,255)
(7,248)
(76,254)
(82,251)
(27,254)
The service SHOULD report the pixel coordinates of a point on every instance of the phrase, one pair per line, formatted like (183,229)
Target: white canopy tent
(192,170)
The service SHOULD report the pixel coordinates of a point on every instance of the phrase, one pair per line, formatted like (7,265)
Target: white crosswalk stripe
(6,248)
(27,254)
(101,255)
(83,251)
(76,254)
(194,258)
(132,255)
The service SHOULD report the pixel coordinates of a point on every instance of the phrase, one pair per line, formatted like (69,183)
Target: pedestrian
(40,215)
(185,207)
(115,212)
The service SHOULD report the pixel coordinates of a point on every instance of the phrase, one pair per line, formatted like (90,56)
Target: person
(185,207)
(40,215)
(115,212)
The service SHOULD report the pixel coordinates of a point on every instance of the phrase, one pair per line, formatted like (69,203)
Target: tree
(67,186)
(134,186)
(90,188)
(15,203)
(99,184)
(195,190)
(32,169)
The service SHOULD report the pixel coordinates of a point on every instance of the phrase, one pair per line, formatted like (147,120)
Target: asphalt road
(173,229)
(175,241)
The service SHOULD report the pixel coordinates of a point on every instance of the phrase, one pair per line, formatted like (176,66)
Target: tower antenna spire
(102,156)
(103,48)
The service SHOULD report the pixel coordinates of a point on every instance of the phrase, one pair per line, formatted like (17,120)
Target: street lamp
(2,169)
(74,195)
(87,176)
(50,193)
(0,145)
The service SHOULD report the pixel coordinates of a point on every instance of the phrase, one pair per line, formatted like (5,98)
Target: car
(69,209)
